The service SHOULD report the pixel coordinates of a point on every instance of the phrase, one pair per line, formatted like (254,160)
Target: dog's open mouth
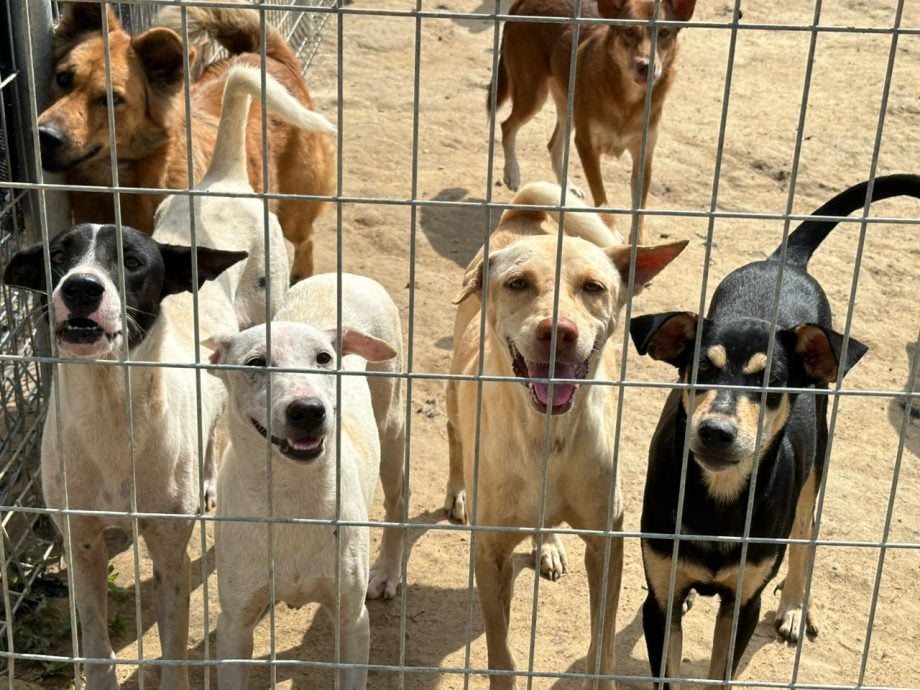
(563,393)
(81,331)
(301,449)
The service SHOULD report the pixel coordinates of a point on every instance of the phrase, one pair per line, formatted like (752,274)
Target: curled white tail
(584,224)
(243,84)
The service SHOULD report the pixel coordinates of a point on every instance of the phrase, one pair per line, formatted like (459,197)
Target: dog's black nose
(718,433)
(306,413)
(82,293)
(52,142)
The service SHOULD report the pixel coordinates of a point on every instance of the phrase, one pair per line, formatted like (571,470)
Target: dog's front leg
(747,621)
(455,498)
(591,162)
(640,193)
(355,636)
(240,611)
(167,541)
(653,626)
(601,648)
(90,569)
(494,578)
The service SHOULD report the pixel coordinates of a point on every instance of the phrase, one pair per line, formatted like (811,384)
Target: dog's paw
(455,505)
(384,580)
(788,619)
(789,622)
(553,562)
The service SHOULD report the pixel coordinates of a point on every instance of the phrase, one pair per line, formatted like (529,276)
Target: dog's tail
(243,84)
(502,86)
(584,224)
(237,29)
(810,234)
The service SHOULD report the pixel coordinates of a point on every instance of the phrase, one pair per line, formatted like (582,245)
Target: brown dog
(518,343)
(150,120)
(614,67)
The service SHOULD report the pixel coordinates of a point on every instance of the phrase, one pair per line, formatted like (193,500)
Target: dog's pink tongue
(562,392)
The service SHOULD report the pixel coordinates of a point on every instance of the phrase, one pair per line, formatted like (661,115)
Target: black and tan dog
(723,440)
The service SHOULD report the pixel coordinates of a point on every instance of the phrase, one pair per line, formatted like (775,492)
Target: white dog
(90,433)
(298,422)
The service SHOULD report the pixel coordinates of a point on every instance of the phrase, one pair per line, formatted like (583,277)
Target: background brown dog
(614,67)
(150,118)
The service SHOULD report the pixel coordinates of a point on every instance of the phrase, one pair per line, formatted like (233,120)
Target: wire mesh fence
(770,114)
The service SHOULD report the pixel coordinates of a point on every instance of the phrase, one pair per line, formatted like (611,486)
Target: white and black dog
(98,448)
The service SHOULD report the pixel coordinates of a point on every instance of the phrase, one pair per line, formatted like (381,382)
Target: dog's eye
(117,100)
(255,362)
(132,262)
(64,80)
(516,284)
(630,32)
(704,367)
(593,286)
(323,358)
(57,258)
(664,34)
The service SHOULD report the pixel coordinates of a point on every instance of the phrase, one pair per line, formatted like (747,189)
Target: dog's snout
(82,293)
(718,433)
(306,413)
(566,329)
(52,141)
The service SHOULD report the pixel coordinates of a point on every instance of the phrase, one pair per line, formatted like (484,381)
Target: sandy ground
(442,625)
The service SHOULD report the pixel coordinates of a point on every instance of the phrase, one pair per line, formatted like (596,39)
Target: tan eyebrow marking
(757,362)
(717,356)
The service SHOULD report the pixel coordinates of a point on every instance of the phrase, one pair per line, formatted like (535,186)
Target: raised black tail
(811,233)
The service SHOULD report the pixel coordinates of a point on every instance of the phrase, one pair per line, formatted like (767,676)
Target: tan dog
(519,331)
(614,68)
(150,121)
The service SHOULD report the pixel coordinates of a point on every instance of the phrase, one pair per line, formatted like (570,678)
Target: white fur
(304,555)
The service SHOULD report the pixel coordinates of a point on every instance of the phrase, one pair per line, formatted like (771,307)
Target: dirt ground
(442,624)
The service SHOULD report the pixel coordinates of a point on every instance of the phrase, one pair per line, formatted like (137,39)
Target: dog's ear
(160,52)
(472,280)
(683,9)
(178,266)
(649,261)
(26,269)
(820,348)
(667,337)
(78,18)
(218,345)
(354,342)
(610,9)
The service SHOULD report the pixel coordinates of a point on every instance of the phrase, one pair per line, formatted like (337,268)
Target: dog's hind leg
(526,101)
(790,611)
(167,541)
(90,565)
(600,657)
(495,580)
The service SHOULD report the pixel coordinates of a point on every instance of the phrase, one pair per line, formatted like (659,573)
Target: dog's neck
(103,387)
